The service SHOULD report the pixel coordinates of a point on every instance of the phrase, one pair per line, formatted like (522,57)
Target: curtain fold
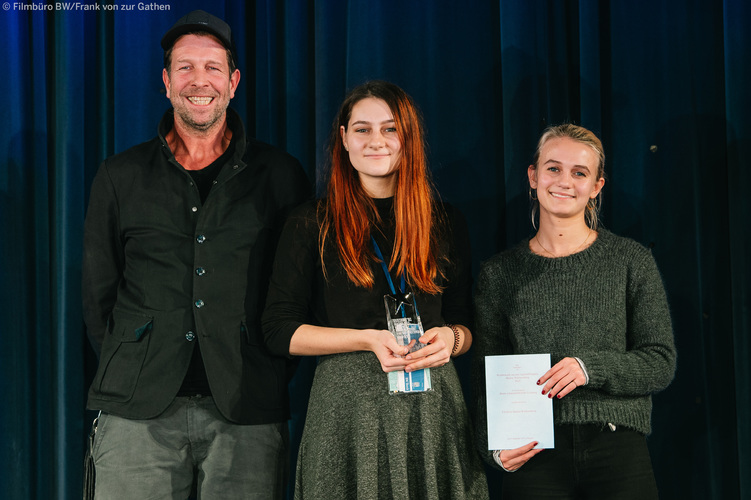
(737,80)
(665,85)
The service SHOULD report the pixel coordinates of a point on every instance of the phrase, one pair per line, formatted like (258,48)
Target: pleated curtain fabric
(664,84)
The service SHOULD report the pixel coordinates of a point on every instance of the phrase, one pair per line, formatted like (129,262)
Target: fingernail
(543,392)
(550,395)
(559,396)
(538,382)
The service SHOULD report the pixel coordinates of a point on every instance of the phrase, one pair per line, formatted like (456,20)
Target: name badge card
(404,323)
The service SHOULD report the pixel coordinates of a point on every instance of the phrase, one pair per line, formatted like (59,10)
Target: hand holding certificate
(517,411)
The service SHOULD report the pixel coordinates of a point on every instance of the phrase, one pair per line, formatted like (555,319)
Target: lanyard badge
(404,323)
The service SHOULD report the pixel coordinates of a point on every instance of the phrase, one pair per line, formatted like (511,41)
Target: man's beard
(187,119)
(186,116)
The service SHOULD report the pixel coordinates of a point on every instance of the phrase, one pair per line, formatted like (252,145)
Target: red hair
(349,212)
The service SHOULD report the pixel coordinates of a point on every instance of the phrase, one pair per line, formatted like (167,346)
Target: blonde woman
(594,301)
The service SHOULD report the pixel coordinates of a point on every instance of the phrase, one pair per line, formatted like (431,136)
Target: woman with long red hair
(379,234)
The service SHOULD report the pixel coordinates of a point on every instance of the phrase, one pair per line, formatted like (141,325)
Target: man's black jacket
(161,271)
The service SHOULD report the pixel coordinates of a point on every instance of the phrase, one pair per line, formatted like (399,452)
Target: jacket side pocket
(123,354)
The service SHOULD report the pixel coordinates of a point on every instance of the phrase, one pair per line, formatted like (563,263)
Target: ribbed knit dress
(360,441)
(605,305)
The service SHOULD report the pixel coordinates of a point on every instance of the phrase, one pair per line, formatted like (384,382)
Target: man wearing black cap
(178,245)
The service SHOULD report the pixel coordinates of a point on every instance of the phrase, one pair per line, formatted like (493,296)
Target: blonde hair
(583,136)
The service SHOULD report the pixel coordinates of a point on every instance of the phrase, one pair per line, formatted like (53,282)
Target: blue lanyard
(386,269)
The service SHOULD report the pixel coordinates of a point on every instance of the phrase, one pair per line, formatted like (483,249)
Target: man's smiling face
(199,83)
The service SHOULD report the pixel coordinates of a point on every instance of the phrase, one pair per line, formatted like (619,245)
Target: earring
(532,194)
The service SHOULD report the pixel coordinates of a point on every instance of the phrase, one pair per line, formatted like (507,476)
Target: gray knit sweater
(605,305)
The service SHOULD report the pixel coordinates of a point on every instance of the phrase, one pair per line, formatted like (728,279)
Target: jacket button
(194,209)
(200,271)
(190,336)
(200,238)
(200,303)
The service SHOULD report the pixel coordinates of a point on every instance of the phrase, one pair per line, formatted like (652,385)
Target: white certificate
(518,413)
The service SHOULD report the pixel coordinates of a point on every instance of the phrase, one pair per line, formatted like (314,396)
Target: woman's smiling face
(373,145)
(565,177)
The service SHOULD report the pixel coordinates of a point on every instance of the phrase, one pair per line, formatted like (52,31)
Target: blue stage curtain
(664,84)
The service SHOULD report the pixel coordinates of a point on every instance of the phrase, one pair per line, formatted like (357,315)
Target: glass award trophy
(404,323)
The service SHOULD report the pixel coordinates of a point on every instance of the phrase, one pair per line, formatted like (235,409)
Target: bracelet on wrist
(457,337)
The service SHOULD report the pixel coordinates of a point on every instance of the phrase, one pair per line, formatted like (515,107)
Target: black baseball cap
(199,20)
